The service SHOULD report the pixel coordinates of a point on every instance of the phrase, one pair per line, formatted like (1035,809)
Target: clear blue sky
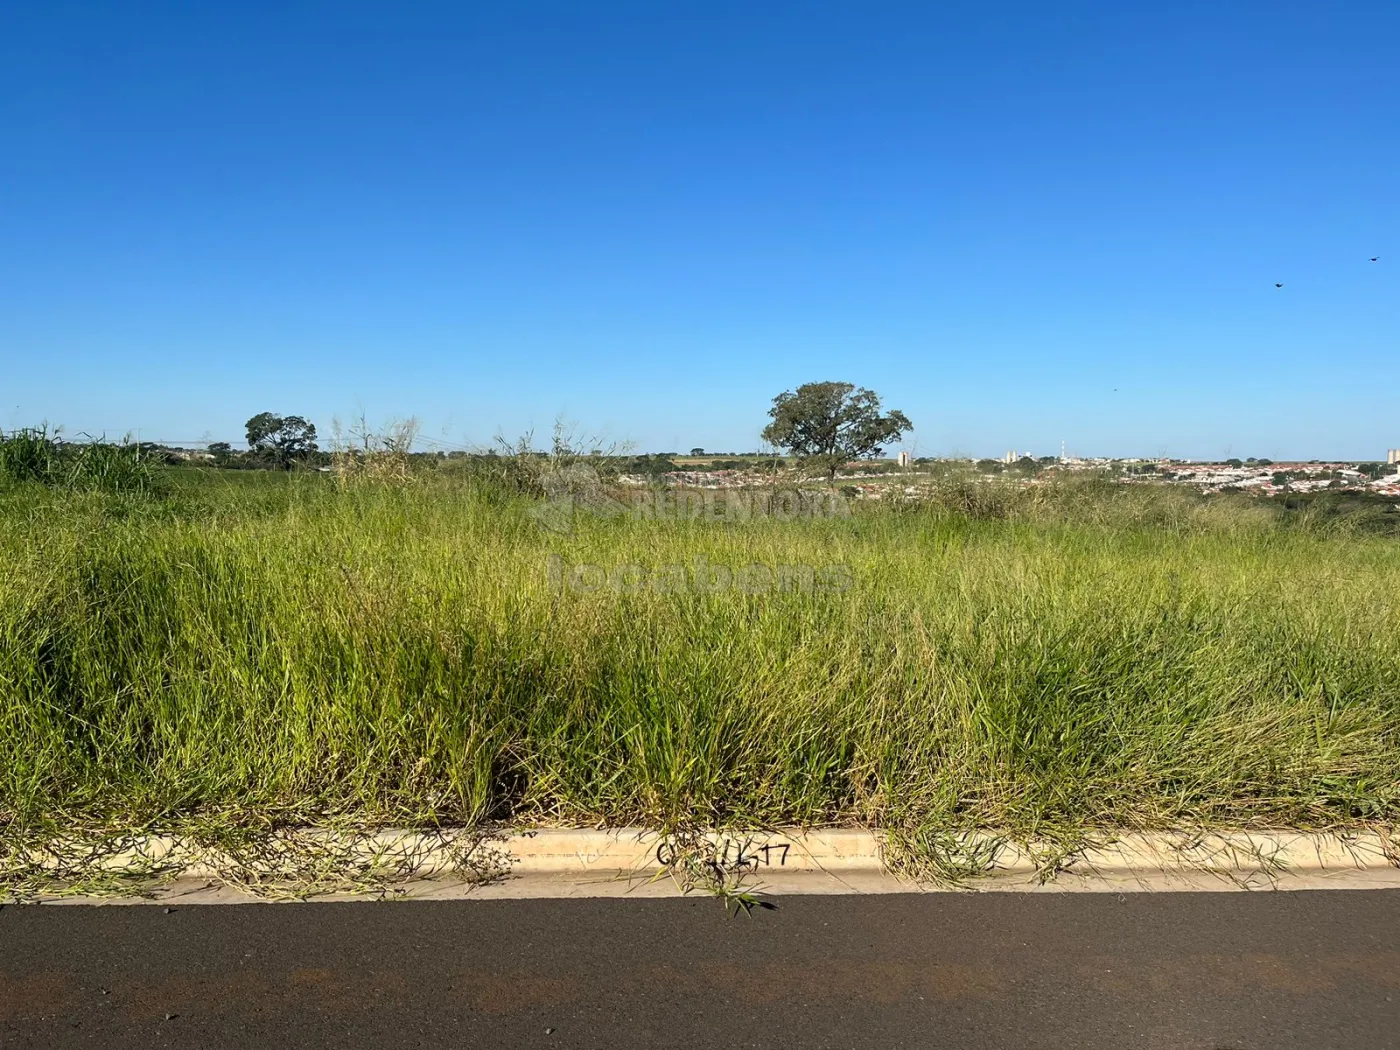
(1021,223)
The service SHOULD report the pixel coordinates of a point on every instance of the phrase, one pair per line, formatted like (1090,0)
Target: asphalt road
(1209,971)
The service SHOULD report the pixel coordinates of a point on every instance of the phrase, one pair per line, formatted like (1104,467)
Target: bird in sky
(1375,258)
(1278,284)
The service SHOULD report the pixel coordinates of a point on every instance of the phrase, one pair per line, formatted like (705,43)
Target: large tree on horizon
(281,439)
(828,424)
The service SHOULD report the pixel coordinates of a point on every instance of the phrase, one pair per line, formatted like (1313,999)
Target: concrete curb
(639,862)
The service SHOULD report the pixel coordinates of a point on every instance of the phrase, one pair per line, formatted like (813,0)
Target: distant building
(1392,455)
(904,459)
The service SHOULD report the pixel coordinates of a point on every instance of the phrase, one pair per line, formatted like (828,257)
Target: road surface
(1265,970)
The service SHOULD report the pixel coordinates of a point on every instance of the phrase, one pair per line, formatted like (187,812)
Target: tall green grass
(288,650)
(35,456)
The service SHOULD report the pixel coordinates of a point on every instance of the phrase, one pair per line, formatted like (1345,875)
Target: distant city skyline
(1138,231)
(430,446)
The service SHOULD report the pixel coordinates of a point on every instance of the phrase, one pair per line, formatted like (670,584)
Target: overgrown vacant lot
(254,649)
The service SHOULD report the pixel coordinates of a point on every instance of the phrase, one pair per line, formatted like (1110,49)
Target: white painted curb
(635,861)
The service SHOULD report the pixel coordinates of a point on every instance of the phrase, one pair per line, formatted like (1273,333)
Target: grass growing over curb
(270,650)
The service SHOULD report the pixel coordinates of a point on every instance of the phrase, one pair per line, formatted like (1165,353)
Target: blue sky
(1021,223)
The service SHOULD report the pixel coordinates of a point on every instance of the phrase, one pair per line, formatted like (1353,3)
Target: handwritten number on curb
(761,856)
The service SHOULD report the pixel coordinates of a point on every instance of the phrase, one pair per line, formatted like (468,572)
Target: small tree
(280,440)
(827,424)
(222,452)
(697,452)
